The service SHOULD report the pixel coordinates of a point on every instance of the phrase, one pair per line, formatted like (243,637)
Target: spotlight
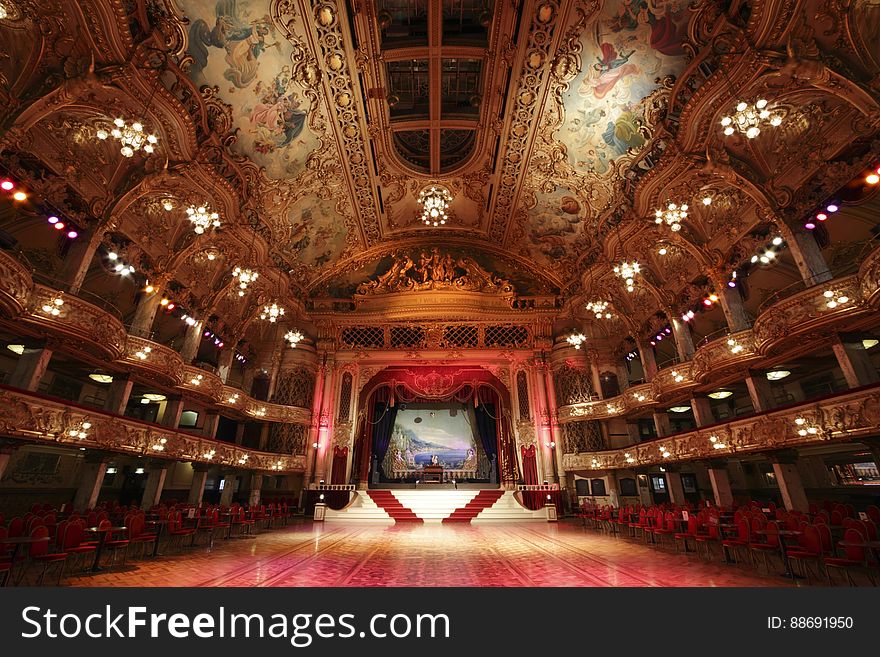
(832,207)
(112,255)
(53,220)
(707,302)
(7,185)
(821,216)
(149,288)
(871,179)
(20,196)
(777,241)
(59,225)
(72,234)
(170,306)
(164,302)
(809,225)
(731,283)
(713,298)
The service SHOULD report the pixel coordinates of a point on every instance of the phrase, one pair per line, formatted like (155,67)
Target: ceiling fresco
(555,223)
(318,236)
(236,47)
(624,51)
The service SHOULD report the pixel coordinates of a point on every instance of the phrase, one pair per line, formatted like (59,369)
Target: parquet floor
(535,554)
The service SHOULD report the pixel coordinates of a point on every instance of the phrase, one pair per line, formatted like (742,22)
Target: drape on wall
(487,424)
(340,459)
(385,415)
(531,499)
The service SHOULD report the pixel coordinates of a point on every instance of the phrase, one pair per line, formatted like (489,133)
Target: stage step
(483,500)
(433,505)
(393,506)
(361,510)
(508,509)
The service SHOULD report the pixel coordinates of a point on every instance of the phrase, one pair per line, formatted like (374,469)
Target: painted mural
(235,46)
(318,235)
(629,46)
(554,224)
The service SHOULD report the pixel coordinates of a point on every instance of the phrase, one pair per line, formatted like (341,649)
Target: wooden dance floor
(536,554)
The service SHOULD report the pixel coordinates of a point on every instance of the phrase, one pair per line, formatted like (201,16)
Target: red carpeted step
(483,500)
(392,506)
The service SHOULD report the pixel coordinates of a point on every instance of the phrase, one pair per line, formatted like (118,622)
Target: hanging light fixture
(293,337)
(272,313)
(53,306)
(600,309)
(576,340)
(672,216)
(748,119)
(435,202)
(202,218)
(245,277)
(132,137)
(628,271)
(4,12)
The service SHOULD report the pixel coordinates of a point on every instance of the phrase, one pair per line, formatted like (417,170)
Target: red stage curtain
(340,458)
(532,499)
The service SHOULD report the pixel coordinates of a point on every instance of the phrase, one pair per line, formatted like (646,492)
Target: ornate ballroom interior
(587,288)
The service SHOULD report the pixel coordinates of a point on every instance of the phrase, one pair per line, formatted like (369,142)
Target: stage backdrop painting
(430,434)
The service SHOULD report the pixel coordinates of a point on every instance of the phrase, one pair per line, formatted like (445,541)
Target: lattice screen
(411,337)
(522,395)
(345,398)
(461,336)
(363,337)
(295,388)
(585,436)
(573,385)
(288,438)
(506,336)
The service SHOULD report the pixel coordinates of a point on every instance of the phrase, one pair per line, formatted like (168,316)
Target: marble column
(78,259)
(807,255)
(255,490)
(702,409)
(30,368)
(239,433)
(6,452)
(228,489)
(91,476)
(760,392)
(197,486)
(264,436)
(212,420)
(191,341)
(649,362)
(632,431)
(684,341)
(325,442)
(120,392)
(314,435)
(171,414)
(734,310)
(661,423)
(674,485)
(544,431)
(555,430)
(224,363)
(794,497)
(155,484)
(145,313)
(854,361)
(720,480)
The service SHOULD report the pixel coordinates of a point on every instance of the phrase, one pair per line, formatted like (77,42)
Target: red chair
(693,526)
(176,530)
(205,525)
(218,524)
(856,558)
(39,553)
(712,536)
(70,537)
(137,533)
(240,520)
(767,547)
(809,550)
(740,542)
(873,512)
(114,544)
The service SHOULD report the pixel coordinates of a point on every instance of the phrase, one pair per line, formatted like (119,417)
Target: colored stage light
(72,234)
(20,196)
(59,225)
(7,185)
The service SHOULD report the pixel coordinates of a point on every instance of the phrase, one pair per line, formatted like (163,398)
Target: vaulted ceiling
(558,126)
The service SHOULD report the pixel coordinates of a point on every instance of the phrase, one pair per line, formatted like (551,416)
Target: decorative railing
(40,419)
(80,327)
(843,417)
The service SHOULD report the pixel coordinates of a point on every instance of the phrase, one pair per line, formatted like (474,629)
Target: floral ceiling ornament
(749,119)
(435,202)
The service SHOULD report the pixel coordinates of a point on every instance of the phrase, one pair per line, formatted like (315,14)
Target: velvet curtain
(340,459)
(384,425)
(532,499)
(487,426)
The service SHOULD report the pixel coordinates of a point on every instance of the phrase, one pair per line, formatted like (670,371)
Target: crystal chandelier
(293,337)
(272,313)
(245,277)
(576,340)
(132,136)
(3,11)
(435,202)
(202,218)
(628,271)
(748,119)
(672,216)
(600,309)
